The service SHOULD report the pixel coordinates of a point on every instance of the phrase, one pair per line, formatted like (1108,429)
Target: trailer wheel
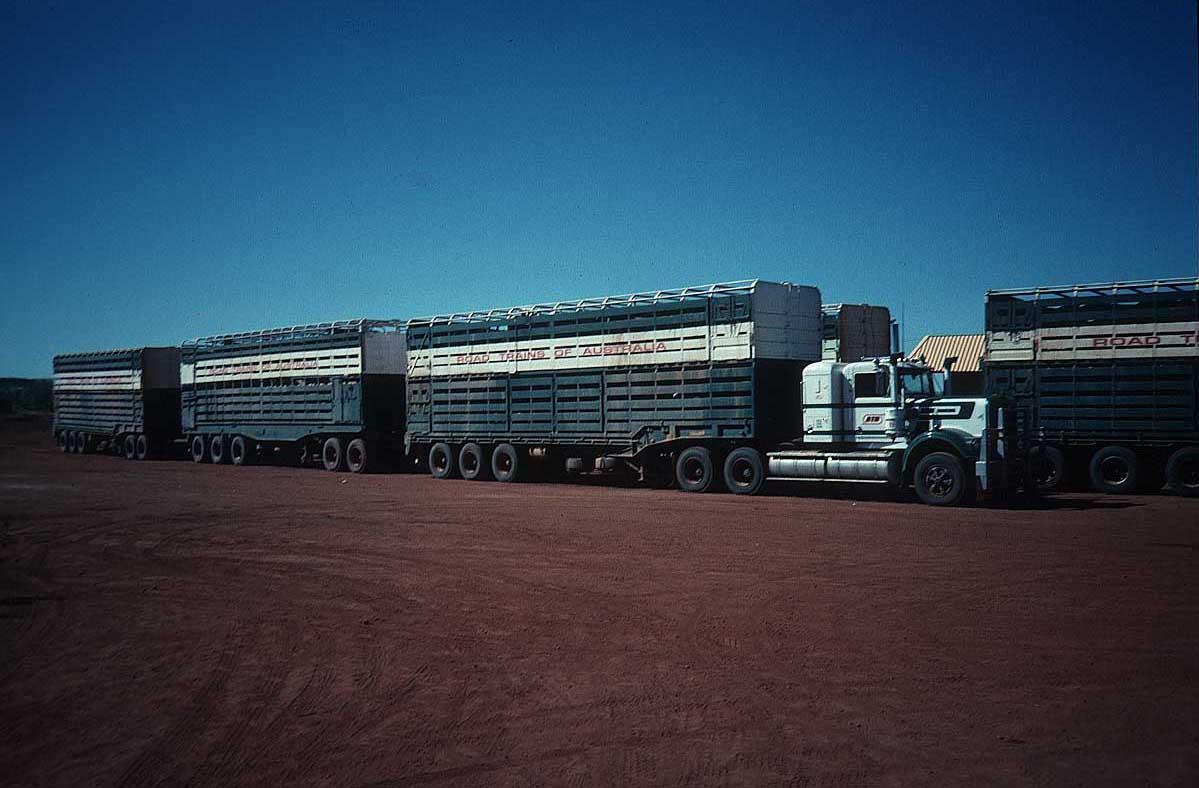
(241,451)
(505,463)
(744,473)
(130,447)
(197,448)
(141,448)
(441,461)
(694,469)
(217,450)
(83,443)
(70,441)
(357,458)
(1114,470)
(472,462)
(60,440)
(940,480)
(1182,472)
(332,457)
(1046,468)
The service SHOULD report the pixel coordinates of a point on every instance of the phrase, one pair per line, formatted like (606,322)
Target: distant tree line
(26,395)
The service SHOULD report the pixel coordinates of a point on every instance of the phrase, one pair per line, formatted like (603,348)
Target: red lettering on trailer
(1112,342)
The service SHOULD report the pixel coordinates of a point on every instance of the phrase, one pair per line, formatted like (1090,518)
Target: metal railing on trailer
(588,304)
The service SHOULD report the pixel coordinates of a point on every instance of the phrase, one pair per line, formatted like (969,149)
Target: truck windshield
(922,383)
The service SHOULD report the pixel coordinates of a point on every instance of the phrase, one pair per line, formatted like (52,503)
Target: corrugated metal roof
(935,348)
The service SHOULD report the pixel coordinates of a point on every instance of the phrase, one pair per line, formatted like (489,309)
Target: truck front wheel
(744,472)
(940,480)
(694,469)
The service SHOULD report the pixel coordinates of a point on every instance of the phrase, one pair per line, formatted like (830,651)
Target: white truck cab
(888,420)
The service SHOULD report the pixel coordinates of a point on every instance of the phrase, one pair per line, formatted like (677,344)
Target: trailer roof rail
(1179,284)
(247,337)
(114,352)
(587,304)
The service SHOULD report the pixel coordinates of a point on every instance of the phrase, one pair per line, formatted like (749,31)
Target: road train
(723,386)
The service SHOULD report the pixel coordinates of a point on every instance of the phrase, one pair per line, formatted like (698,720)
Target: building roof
(935,348)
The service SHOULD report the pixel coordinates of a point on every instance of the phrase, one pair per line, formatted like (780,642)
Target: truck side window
(870,384)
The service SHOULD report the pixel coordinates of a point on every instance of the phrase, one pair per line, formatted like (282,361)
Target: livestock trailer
(125,401)
(328,393)
(684,386)
(1105,379)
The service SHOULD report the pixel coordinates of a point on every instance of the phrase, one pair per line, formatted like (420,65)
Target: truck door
(873,406)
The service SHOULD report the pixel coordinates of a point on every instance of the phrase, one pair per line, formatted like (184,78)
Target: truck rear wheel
(357,457)
(505,463)
(694,469)
(441,461)
(130,447)
(1114,470)
(72,441)
(472,462)
(241,451)
(940,480)
(60,440)
(1047,468)
(332,456)
(197,448)
(83,443)
(744,472)
(216,450)
(1182,472)
(141,448)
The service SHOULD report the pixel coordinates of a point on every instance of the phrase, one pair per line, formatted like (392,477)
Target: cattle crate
(327,393)
(125,401)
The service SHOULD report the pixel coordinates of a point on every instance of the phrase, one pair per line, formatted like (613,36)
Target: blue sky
(174,170)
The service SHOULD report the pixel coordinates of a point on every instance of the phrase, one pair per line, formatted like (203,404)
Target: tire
(60,440)
(1114,469)
(1046,468)
(505,463)
(241,451)
(217,450)
(694,469)
(441,461)
(332,457)
(940,479)
(473,463)
(1182,472)
(72,442)
(197,448)
(83,443)
(357,456)
(744,471)
(141,448)
(129,450)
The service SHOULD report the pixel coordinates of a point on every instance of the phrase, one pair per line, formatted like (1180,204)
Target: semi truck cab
(888,420)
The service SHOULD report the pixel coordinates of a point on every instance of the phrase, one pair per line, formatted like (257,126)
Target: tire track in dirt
(153,765)
(227,756)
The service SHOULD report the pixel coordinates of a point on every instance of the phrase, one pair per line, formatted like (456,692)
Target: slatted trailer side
(1105,379)
(328,393)
(615,379)
(125,401)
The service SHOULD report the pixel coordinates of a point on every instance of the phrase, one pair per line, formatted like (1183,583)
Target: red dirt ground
(165,623)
